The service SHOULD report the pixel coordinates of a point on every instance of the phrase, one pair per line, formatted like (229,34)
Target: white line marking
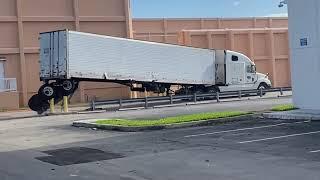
(314,151)
(236,130)
(279,137)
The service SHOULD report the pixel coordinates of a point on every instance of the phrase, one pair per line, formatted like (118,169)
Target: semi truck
(69,57)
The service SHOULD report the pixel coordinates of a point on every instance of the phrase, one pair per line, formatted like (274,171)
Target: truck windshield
(254,68)
(251,69)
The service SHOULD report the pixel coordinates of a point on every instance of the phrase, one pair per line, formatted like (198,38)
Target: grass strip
(171,120)
(285,107)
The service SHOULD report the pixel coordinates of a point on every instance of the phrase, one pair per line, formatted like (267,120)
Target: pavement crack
(140,174)
(173,141)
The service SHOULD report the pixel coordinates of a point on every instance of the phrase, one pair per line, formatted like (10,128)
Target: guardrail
(170,100)
(8,84)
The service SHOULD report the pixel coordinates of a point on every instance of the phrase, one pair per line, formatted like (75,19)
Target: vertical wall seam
(251,45)
(254,22)
(209,38)
(22,55)
(202,23)
(129,28)
(76,14)
(231,40)
(128,18)
(270,22)
(219,23)
(165,30)
(273,58)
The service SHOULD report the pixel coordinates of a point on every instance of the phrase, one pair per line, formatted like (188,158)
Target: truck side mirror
(253,69)
(267,75)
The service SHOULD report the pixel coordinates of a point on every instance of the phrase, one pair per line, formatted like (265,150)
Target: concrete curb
(20,117)
(36,115)
(288,116)
(50,114)
(91,124)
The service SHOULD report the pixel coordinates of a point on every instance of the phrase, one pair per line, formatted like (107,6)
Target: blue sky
(206,8)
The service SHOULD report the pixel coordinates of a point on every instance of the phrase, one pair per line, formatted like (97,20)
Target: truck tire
(68,87)
(263,86)
(47,91)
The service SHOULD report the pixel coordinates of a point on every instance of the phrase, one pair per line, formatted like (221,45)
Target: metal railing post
(240,95)
(146,102)
(195,97)
(218,96)
(281,91)
(93,105)
(120,103)
(171,99)
(261,93)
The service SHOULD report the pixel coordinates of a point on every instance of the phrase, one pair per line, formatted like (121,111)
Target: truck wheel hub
(67,85)
(48,91)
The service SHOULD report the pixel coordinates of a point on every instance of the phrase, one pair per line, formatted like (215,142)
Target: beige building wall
(21,21)
(165,30)
(267,47)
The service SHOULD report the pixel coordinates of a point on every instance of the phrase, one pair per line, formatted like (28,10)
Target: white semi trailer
(68,57)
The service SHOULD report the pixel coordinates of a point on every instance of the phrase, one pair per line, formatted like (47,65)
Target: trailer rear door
(53,55)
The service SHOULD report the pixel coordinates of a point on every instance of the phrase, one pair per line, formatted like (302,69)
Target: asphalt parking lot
(251,149)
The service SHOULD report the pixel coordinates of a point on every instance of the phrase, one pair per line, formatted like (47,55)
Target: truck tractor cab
(241,74)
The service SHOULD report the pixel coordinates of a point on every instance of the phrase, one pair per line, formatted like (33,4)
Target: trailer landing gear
(56,90)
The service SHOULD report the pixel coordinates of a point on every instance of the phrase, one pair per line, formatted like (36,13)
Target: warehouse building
(263,40)
(22,20)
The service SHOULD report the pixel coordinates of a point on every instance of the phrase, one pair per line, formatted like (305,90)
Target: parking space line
(279,137)
(244,129)
(314,151)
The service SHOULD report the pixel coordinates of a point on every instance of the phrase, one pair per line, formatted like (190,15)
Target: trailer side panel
(98,57)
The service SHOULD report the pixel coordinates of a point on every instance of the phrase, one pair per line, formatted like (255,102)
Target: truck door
(235,72)
(251,76)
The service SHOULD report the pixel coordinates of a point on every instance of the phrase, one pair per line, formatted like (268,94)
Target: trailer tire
(47,91)
(68,87)
(38,104)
